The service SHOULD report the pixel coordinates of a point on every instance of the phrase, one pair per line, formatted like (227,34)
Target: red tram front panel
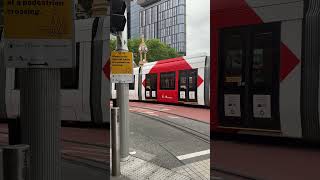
(255,65)
(178,81)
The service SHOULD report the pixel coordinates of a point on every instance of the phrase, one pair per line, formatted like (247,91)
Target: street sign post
(121,67)
(38,34)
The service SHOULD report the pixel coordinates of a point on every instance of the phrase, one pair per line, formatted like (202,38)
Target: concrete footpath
(73,170)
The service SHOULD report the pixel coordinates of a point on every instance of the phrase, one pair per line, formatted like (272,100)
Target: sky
(198,26)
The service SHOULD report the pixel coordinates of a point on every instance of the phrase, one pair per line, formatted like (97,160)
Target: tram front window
(262,60)
(233,64)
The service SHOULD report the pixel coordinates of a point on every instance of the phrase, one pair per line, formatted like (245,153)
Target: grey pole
(40,121)
(115,141)
(123,100)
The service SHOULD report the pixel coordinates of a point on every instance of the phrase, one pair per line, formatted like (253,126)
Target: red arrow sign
(106,69)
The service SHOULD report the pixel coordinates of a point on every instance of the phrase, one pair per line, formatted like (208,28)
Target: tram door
(151,86)
(249,77)
(188,85)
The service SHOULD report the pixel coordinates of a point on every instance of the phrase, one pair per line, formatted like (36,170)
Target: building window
(167,81)
(181,28)
(180,19)
(181,1)
(181,10)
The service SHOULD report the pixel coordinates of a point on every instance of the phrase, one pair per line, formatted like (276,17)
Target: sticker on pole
(38,33)
(121,67)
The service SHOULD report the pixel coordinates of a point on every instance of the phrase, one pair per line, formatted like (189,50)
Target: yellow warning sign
(38,19)
(121,63)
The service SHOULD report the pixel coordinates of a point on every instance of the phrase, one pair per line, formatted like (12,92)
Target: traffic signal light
(118,19)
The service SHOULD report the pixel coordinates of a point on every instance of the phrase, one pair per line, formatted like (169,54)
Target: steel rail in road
(76,142)
(87,161)
(170,114)
(203,137)
(79,160)
(85,143)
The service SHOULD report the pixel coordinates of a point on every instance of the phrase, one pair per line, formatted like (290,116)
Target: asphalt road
(162,144)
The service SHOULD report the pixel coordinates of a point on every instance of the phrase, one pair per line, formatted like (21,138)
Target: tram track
(169,113)
(79,160)
(199,135)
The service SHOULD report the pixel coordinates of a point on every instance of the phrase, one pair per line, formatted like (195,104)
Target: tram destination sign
(121,67)
(38,33)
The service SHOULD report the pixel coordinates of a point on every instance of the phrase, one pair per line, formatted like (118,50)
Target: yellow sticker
(121,63)
(38,19)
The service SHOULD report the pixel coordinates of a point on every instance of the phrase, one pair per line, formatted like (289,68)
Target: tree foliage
(87,5)
(157,49)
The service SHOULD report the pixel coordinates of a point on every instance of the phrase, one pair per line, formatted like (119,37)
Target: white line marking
(192,155)
(165,109)
(173,117)
(148,112)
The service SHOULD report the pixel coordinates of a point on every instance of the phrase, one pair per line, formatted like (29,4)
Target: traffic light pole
(123,100)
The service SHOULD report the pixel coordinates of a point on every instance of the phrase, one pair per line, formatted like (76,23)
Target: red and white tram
(182,80)
(265,67)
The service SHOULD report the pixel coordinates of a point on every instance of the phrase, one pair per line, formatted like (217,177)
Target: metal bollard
(16,162)
(115,141)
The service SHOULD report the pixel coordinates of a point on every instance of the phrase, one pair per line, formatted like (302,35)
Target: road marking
(148,112)
(165,109)
(173,117)
(192,155)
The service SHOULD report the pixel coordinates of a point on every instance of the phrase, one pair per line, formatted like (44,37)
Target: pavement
(161,151)
(73,170)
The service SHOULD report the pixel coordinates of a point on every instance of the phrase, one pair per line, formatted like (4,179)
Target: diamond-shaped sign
(106,69)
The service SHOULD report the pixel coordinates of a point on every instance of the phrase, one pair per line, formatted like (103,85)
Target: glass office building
(133,20)
(160,19)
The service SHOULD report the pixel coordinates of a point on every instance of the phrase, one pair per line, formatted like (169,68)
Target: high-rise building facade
(160,19)
(133,20)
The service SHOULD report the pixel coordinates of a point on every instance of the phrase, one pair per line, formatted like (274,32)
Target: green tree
(157,50)
(87,5)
